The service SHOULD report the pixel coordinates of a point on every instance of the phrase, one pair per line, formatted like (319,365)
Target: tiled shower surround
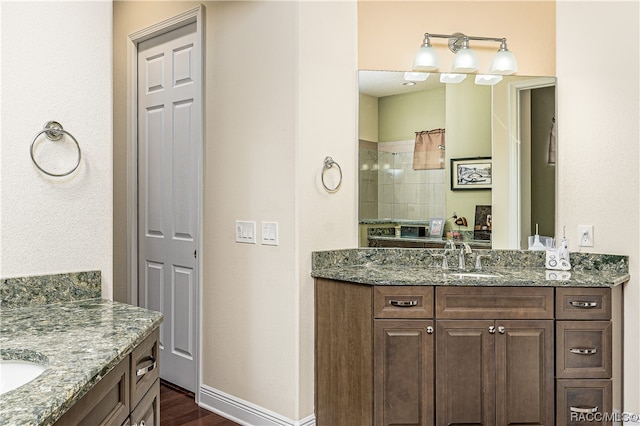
(390,188)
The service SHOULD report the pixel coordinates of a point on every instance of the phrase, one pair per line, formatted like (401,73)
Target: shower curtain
(429,150)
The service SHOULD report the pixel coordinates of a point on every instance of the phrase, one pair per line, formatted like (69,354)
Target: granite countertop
(80,342)
(379,266)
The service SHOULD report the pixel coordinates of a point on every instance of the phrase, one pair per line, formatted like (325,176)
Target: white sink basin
(473,275)
(15,373)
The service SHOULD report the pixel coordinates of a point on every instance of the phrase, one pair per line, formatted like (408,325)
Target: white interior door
(169,136)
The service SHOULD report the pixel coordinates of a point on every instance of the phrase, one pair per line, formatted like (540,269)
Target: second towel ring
(328,164)
(54,131)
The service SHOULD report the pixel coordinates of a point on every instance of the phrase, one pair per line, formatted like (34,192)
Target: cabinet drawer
(583,402)
(583,349)
(403,301)
(494,302)
(144,367)
(583,303)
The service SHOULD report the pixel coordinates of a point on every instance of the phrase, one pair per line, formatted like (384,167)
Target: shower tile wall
(368,180)
(402,193)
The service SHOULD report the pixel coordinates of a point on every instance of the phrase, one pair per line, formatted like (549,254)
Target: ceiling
(386,83)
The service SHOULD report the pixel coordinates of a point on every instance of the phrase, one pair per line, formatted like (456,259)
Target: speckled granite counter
(80,341)
(380,266)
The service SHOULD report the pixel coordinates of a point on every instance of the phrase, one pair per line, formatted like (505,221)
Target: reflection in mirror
(398,197)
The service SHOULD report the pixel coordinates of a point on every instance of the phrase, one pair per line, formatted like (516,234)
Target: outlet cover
(585,237)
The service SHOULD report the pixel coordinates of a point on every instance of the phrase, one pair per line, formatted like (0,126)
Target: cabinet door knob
(492,329)
(501,330)
(429,330)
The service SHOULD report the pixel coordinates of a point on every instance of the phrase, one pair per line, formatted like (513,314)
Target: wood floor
(178,407)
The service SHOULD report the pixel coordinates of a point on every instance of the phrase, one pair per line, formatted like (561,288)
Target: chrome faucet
(479,258)
(449,245)
(464,249)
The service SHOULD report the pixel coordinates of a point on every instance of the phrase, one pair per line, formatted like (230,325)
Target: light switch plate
(245,231)
(270,233)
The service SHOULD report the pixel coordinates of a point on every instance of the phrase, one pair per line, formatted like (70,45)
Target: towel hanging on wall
(429,150)
(552,142)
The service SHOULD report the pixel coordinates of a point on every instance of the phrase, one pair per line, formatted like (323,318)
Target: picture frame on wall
(436,227)
(471,173)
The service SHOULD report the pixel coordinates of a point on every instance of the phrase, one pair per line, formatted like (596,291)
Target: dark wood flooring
(178,408)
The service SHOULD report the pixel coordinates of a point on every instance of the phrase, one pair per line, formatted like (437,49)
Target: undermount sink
(473,275)
(15,373)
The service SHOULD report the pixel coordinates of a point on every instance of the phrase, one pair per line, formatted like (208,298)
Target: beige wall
(56,65)
(390,32)
(280,96)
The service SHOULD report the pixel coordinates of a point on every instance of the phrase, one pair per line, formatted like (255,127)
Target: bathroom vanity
(100,357)
(401,341)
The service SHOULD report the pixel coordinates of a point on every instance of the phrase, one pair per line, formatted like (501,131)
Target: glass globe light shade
(504,63)
(465,61)
(426,59)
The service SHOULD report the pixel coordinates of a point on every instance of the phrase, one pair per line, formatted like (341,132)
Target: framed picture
(436,227)
(471,173)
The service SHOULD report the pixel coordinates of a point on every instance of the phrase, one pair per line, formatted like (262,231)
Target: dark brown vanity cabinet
(128,395)
(403,351)
(588,363)
(460,355)
(494,356)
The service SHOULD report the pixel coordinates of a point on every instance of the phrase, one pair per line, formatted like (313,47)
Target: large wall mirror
(501,134)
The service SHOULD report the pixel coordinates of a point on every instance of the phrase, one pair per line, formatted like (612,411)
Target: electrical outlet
(585,236)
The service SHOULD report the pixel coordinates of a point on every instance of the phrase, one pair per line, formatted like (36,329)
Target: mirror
(507,125)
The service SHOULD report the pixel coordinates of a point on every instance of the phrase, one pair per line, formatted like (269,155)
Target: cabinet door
(147,412)
(524,372)
(403,378)
(465,373)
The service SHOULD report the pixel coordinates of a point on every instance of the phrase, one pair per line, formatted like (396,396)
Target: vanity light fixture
(466,60)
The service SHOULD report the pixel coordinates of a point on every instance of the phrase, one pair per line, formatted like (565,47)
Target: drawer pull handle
(583,410)
(580,304)
(583,351)
(403,303)
(144,370)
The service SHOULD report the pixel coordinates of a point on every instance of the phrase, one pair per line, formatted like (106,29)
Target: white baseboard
(244,412)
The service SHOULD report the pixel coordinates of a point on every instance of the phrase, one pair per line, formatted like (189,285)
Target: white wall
(598,139)
(56,65)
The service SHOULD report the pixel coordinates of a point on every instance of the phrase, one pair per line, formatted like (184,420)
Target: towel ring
(328,164)
(54,132)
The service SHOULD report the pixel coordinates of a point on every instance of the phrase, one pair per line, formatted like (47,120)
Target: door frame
(190,16)
(513,130)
